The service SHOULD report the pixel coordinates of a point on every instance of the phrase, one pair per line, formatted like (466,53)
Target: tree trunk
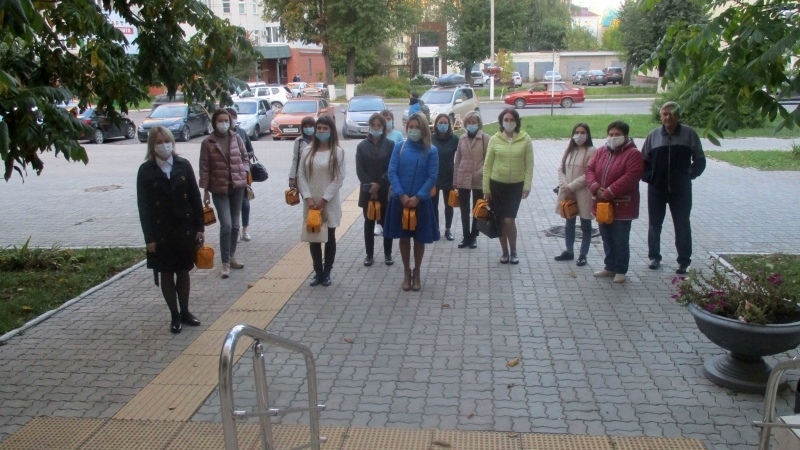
(328,69)
(626,78)
(351,65)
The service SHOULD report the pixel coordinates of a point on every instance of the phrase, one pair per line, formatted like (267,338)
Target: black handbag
(490,226)
(258,171)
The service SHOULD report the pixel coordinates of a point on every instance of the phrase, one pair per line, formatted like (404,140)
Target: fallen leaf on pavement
(445,305)
(572,274)
(348,340)
(513,362)
(249,285)
(442,444)
(512,434)
(470,415)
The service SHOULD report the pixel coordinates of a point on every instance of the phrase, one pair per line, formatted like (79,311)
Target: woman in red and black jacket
(613,176)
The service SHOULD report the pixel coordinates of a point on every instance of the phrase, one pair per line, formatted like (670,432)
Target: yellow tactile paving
(52,433)
(165,402)
(209,343)
(133,435)
(207,435)
(231,318)
(261,301)
(475,440)
(655,443)
(387,438)
(564,442)
(292,436)
(190,370)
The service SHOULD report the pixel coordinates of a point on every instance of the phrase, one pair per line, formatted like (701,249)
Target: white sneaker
(234,264)
(604,273)
(226,270)
(378,229)
(619,278)
(238,238)
(246,236)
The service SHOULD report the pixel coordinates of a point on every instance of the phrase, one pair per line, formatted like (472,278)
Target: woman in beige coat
(572,186)
(468,174)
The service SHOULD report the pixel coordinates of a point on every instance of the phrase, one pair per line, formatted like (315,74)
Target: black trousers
(680,207)
(466,210)
(369,234)
(325,267)
(448,210)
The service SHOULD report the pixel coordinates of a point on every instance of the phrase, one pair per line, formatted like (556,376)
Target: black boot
(316,258)
(182,286)
(326,276)
(175,326)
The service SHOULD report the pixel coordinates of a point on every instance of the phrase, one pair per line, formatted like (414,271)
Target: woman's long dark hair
(572,145)
(333,144)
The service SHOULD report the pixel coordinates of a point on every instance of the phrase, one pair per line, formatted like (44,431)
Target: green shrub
(699,116)
(394,92)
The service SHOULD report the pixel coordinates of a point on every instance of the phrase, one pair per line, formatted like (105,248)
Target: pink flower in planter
(776,279)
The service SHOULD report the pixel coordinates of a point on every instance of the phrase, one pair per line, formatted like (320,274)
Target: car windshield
(88,113)
(300,107)
(596,72)
(438,97)
(319,85)
(246,107)
(365,104)
(169,111)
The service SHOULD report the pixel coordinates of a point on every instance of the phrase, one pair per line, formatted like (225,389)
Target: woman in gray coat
(572,186)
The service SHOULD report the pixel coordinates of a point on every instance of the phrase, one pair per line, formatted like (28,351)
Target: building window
(226,6)
(256,38)
(400,56)
(255,8)
(241,7)
(272,35)
(400,39)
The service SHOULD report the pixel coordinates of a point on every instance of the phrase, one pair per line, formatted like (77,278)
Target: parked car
(297,88)
(316,90)
(593,77)
(451,79)
(184,121)
(286,123)
(552,75)
(102,126)
(545,93)
(276,95)
(254,116)
(356,116)
(613,74)
(516,79)
(164,99)
(478,78)
(454,101)
(576,78)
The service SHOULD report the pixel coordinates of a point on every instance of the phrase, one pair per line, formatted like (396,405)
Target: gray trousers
(229,208)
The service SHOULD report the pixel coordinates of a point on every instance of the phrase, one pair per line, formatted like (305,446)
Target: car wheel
(185,134)
(276,105)
(256,133)
(344,134)
(566,103)
(519,103)
(98,137)
(130,131)
(605,84)
(209,129)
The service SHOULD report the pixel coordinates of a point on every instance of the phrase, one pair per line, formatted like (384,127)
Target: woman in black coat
(171,215)
(372,165)
(444,140)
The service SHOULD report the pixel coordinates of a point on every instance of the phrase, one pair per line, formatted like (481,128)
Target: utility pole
(491,50)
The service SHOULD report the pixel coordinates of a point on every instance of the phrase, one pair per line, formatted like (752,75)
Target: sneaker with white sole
(604,273)
(226,270)
(619,278)
(235,264)
(246,236)
(378,229)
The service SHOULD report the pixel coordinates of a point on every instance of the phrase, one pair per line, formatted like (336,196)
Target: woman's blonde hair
(424,128)
(151,141)
(474,115)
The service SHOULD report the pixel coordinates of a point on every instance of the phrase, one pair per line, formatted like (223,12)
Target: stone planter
(743,367)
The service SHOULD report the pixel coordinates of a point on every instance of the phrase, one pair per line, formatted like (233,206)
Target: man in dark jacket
(673,157)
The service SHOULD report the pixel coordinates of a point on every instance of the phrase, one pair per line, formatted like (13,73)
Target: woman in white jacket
(572,186)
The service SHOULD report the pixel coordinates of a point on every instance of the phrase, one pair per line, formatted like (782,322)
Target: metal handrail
(770,397)
(226,360)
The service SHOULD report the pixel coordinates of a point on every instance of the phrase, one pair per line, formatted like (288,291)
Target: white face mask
(509,126)
(223,127)
(579,138)
(615,141)
(163,150)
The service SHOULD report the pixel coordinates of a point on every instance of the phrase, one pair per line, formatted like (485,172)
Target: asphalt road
(489,109)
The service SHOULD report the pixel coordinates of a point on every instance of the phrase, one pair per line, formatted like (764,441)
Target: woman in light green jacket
(507,175)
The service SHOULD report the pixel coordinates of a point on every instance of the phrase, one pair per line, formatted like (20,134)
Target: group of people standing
(408,177)
(671,157)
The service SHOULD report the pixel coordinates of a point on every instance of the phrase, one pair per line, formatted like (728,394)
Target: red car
(558,93)
(286,124)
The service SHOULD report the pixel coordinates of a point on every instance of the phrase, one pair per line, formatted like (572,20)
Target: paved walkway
(594,358)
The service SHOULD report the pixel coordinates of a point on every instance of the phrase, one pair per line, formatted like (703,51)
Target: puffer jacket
(618,172)
(470,154)
(217,172)
(509,162)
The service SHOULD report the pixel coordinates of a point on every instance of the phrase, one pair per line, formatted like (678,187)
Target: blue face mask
(414,134)
(389,125)
(472,129)
(308,131)
(323,136)
(375,133)
(442,127)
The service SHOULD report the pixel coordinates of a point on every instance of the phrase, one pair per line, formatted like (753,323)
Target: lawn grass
(619,91)
(788,266)
(34,281)
(758,159)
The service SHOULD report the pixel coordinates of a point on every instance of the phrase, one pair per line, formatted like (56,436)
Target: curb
(69,303)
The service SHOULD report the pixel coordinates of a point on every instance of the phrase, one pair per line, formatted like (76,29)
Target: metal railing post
(770,397)
(262,395)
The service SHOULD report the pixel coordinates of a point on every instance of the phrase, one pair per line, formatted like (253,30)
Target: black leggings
(448,210)
(369,234)
(330,253)
(466,209)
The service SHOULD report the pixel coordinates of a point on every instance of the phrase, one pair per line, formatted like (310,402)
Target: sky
(598,5)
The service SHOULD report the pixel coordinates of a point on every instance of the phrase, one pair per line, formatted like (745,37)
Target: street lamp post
(553,81)
(491,49)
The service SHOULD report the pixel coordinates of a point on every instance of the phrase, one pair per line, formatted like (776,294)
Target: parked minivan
(613,74)
(478,79)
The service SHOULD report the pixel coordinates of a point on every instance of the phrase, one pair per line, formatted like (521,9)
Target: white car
(455,101)
(552,75)
(276,95)
(254,116)
(516,79)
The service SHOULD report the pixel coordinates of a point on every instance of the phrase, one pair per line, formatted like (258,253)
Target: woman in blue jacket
(413,170)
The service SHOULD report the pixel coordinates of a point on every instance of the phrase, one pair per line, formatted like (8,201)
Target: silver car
(254,116)
(357,114)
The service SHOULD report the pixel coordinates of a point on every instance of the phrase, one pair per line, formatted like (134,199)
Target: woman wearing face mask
(613,176)
(468,174)
(391,133)
(319,177)
(507,176)
(303,141)
(413,170)
(572,186)
(223,176)
(444,141)
(171,215)
(372,165)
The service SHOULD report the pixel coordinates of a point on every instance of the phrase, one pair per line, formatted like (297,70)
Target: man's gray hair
(674,106)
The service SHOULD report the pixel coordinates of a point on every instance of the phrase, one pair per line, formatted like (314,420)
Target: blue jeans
(228,209)
(569,235)
(616,244)
(245,212)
